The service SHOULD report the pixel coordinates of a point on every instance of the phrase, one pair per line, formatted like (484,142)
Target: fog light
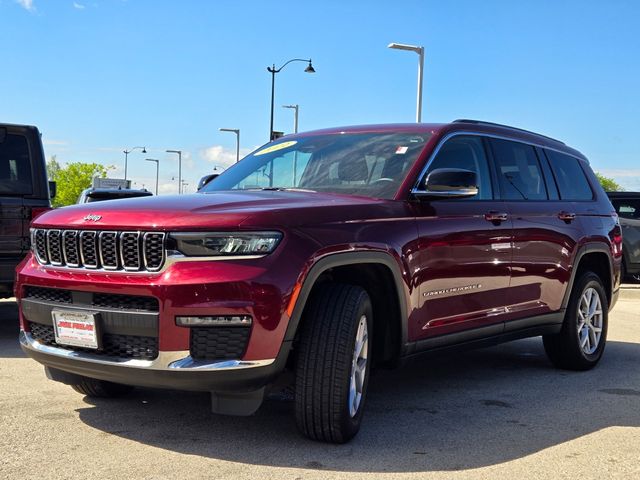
(215,321)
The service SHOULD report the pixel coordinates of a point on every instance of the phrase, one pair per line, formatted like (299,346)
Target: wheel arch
(595,257)
(364,269)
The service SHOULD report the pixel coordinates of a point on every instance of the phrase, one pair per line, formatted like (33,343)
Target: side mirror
(449,183)
(52,189)
(207,179)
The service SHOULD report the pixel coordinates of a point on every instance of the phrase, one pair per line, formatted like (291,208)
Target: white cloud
(27,5)
(79,6)
(222,157)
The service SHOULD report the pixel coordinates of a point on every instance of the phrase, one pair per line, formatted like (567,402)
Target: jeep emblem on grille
(92,217)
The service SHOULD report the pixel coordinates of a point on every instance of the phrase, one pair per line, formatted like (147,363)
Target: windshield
(369,164)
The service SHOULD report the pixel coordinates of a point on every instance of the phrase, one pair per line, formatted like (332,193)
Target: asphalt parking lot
(501,412)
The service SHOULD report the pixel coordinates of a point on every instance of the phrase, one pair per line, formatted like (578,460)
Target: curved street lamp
(126,158)
(273,70)
(420,51)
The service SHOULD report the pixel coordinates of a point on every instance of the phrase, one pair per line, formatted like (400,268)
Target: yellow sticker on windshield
(276,147)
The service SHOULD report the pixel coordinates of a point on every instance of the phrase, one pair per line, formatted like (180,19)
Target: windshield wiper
(282,189)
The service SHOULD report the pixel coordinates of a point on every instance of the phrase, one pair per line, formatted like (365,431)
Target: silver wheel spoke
(358,366)
(590,320)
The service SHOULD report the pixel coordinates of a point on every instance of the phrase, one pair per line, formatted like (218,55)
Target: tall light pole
(157,169)
(273,70)
(295,116)
(420,51)
(179,152)
(126,158)
(237,132)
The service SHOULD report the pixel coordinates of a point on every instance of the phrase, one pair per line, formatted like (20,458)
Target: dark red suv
(323,254)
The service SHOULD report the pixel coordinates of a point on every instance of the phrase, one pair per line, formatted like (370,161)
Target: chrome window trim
(64,248)
(47,236)
(95,241)
(139,263)
(166,361)
(101,257)
(416,190)
(163,249)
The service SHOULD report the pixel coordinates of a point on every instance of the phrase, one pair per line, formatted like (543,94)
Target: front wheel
(580,344)
(333,363)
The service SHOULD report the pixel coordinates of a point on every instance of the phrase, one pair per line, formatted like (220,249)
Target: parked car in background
(322,254)
(24,193)
(90,195)
(627,205)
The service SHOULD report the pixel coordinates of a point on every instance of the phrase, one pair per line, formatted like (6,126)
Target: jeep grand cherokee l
(323,253)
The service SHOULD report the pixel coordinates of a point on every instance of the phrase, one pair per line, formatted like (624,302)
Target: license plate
(77,329)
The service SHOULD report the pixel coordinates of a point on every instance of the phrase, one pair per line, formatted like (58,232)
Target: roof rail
(481,122)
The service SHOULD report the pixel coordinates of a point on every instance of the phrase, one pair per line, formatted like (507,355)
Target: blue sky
(99,76)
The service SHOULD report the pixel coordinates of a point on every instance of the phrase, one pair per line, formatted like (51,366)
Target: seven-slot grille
(108,250)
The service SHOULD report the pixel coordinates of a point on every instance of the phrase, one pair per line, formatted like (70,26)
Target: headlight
(224,244)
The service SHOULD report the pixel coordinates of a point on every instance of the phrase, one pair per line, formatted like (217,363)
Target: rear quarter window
(570,178)
(15,166)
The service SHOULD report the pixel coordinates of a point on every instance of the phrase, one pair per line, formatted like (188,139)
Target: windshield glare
(368,164)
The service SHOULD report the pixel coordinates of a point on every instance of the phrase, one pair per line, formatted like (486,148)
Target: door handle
(567,217)
(496,217)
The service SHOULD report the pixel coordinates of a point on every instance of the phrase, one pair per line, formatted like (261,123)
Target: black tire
(325,354)
(564,349)
(100,388)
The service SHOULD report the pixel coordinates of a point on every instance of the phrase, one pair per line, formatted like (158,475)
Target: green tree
(609,184)
(72,179)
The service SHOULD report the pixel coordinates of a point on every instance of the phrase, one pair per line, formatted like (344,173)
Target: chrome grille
(106,250)
(54,247)
(70,248)
(39,243)
(130,250)
(108,242)
(88,250)
(153,249)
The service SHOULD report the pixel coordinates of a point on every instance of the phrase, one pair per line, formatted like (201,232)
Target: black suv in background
(24,193)
(627,205)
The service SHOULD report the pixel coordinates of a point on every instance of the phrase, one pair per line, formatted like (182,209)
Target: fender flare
(594,247)
(340,260)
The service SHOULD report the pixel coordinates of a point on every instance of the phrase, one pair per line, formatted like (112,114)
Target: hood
(226,210)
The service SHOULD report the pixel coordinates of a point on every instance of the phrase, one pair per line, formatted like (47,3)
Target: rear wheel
(581,342)
(333,364)
(100,388)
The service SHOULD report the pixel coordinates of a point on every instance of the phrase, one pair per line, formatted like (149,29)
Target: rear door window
(15,166)
(518,169)
(571,180)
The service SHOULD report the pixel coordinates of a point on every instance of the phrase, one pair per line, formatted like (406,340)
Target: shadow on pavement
(451,413)
(9,328)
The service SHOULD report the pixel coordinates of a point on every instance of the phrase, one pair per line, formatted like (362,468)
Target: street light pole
(420,51)
(273,70)
(237,132)
(179,152)
(295,116)
(126,158)
(157,170)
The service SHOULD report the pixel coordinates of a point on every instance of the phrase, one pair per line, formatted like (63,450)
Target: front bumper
(171,370)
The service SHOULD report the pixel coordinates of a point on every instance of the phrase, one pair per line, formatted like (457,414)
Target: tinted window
(627,208)
(15,166)
(518,170)
(466,153)
(570,178)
